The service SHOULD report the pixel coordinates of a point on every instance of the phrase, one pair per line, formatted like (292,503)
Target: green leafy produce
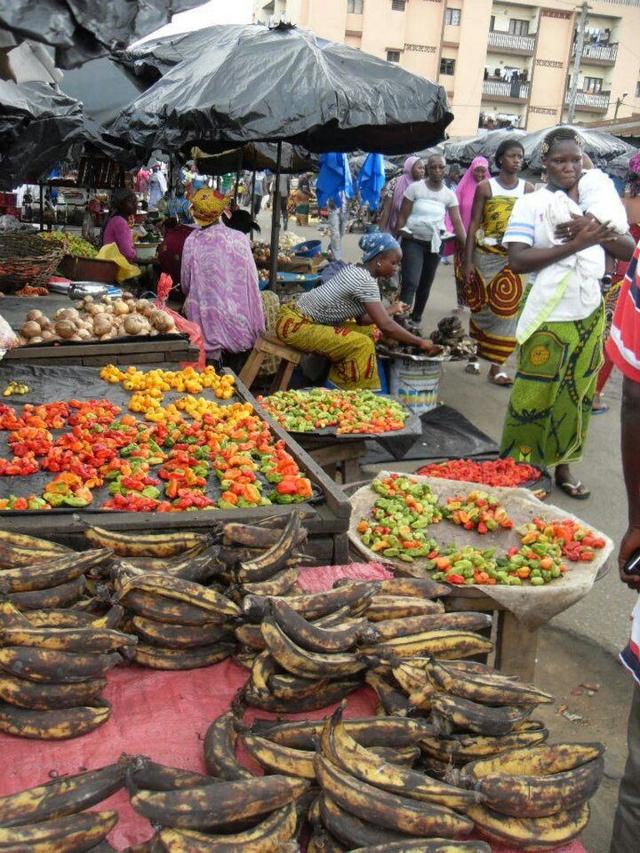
(74,245)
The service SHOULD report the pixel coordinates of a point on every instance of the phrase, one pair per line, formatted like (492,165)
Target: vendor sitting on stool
(321,321)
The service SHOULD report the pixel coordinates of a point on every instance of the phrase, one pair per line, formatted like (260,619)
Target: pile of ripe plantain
(453,745)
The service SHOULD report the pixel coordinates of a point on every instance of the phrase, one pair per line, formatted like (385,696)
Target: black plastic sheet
(601,147)
(446,434)
(38,127)
(81,30)
(248,83)
(463,151)
(257,156)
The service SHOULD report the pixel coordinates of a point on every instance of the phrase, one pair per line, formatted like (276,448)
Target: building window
(518,27)
(638,89)
(354,7)
(393,56)
(452,17)
(447,66)
(398,5)
(592,84)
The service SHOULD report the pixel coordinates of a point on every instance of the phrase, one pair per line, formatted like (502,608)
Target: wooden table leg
(517,647)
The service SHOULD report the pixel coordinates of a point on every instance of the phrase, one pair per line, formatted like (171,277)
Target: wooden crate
(107,352)
(327,522)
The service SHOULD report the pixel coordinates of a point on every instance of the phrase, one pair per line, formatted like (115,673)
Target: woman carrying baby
(556,235)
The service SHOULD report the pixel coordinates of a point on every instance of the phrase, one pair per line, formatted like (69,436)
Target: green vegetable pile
(75,245)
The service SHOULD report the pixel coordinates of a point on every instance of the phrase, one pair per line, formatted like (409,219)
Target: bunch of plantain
(36,574)
(305,665)
(52,677)
(52,816)
(368,801)
(535,798)
(183,543)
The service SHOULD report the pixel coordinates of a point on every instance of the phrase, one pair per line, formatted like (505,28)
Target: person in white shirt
(421,226)
(560,327)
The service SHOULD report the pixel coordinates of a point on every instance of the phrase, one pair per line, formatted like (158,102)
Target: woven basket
(27,259)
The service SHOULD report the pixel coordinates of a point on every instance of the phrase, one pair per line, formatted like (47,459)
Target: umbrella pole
(275,222)
(41,207)
(238,169)
(253,198)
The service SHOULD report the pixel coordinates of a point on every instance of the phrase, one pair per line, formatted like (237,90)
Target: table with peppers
(466,535)
(500,549)
(157,441)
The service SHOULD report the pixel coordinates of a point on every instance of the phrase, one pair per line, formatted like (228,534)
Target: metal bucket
(415,381)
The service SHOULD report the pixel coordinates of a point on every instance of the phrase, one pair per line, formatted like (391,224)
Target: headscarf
(207,206)
(466,189)
(376,243)
(402,182)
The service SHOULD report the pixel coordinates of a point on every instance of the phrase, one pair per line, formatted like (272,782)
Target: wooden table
(336,456)
(133,350)
(326,519)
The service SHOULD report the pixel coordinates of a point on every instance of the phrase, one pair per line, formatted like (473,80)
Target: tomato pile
(348,411)
(477,511)
(164,465)
(494,472)
(401,518)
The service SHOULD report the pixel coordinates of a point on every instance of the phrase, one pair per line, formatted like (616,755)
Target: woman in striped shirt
(340,318)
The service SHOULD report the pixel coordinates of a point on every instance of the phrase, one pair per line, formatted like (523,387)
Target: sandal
(600,410)
(501,378)
(473,367)
(574,490)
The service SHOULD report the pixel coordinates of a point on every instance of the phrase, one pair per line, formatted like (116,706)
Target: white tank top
(498,190)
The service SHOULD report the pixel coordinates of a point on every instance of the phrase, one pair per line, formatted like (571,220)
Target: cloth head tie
(207,206)
(376,243)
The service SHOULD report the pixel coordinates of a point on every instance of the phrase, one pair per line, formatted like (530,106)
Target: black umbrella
(601,147)
(81,30)
(257,156)
(357,161)
(38,127)
(463,151)
(104,87)
(251,83)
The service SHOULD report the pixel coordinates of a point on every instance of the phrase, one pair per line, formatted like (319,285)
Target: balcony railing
(508,41)
(599,52)
(504,89)
(591,100)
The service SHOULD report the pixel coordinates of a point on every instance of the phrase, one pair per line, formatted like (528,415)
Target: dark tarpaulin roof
(38,127)
(258,156)
(600,146)
(463,151)
(104,87)
(251,83)
(81,30)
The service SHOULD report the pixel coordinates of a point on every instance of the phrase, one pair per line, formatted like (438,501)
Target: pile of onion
(99,319)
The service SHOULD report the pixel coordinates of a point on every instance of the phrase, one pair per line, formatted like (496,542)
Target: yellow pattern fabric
(350,348)
(495,218)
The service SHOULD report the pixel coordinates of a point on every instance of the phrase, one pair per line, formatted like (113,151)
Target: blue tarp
(371,180)
(334,179)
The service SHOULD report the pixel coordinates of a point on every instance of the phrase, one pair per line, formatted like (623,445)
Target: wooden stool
(271,345)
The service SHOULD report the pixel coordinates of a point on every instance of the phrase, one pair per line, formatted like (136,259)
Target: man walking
(623,347)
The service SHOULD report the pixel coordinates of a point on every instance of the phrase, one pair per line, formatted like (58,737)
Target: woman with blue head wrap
(341,318)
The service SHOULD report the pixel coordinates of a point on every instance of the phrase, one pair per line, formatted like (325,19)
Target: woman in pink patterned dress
(220,280)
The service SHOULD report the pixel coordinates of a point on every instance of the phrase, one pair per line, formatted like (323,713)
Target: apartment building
(500,62)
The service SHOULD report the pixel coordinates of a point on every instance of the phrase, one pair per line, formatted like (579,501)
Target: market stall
(119,348)
(327,508)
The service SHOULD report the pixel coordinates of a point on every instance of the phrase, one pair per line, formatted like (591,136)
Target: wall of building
(422,39)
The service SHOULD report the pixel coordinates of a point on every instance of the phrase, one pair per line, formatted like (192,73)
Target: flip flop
(573,490)
(601,410)
(501,375)
(473,367)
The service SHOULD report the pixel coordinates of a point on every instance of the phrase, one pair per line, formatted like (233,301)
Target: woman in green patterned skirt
(560,327)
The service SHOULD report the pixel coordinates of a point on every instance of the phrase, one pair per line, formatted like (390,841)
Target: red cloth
(623,344)
(165,715)
(170,250)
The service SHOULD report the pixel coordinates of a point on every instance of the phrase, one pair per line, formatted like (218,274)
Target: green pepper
(73,500)
(391,552)
(53,499)
(225,504)
(152,492)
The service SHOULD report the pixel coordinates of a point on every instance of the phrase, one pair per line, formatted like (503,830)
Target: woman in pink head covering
(393,194)
(465,191)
